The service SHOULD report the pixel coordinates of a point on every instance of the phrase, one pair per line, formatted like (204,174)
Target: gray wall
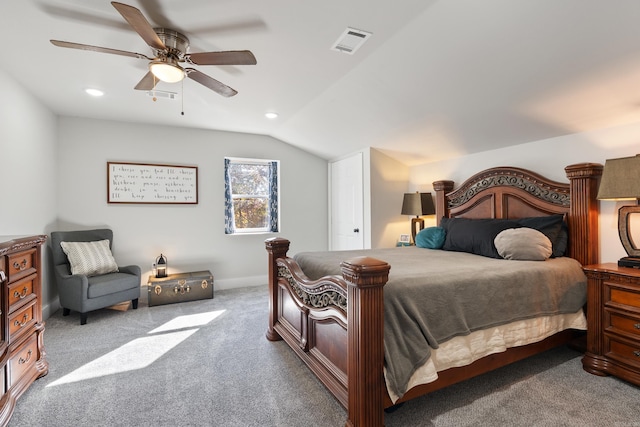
(28,149)
(54,178)
(190,236)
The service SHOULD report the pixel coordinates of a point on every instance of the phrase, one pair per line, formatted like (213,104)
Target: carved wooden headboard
(508,192)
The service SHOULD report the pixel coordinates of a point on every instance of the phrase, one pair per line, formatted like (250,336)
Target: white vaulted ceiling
(437,79)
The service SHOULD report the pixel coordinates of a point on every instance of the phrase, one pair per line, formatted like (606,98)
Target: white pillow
(524,244)
(90,258)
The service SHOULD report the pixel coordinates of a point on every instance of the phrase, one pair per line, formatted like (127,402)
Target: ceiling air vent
(350,41)
(161,94)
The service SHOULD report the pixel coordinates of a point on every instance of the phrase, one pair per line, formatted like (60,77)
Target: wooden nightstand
(613,317)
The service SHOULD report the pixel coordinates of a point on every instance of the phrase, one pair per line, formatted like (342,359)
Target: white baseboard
(49,309)
(241,282)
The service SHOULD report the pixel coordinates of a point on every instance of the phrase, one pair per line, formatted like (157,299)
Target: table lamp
(621,181)
(417,204)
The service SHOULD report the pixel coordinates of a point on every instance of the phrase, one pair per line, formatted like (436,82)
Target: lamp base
(628,261)
(415,223)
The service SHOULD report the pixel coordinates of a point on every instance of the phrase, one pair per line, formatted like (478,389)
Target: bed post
(583,215)
(277,247)
(365,278)
(442,188)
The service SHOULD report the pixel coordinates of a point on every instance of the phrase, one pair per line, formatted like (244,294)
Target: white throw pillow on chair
(90,258)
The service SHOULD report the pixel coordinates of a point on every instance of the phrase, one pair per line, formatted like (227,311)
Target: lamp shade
(418,204)
(620,179)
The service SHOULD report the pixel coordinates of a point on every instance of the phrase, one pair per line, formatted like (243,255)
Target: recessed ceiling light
(271,115)
(94,92)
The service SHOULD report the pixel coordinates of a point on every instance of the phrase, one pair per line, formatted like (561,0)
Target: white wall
(28,146)
(388,182)
(190,236)
(548,157)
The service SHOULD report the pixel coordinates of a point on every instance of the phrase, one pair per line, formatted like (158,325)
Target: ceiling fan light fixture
(168,72)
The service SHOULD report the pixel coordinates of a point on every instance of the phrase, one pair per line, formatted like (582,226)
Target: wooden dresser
(22,354)
(613,316)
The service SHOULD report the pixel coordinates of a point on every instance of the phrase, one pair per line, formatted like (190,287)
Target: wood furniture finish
(335,324)
(22,354)
(613,316)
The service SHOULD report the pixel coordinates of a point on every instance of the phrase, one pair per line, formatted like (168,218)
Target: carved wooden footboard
(312,317)
(336,324)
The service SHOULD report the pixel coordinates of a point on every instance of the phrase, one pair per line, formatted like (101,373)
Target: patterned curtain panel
(229,223)
(273,197)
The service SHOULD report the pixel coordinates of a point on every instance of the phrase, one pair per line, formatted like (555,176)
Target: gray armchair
(83,294)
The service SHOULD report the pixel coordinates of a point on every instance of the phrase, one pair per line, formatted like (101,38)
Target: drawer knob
(636,353)
(22,361)
(17,294)
(24,321)
(20,265)
(637,326)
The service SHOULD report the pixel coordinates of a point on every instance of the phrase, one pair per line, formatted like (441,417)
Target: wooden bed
(345,348)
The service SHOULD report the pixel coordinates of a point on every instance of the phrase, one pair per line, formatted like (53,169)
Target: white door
(347,204)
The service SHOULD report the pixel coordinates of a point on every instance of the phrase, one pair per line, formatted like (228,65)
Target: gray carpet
(207,363)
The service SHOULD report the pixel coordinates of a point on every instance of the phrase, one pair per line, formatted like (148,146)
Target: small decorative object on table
(405,240)
(161,266)
(180,287)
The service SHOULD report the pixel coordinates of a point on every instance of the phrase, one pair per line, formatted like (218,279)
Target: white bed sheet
(464,350)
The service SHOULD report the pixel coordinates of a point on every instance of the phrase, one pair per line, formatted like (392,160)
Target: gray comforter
(435,295)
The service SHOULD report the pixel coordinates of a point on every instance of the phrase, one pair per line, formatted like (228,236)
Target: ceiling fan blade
(71,45)
(210,82)
(232,57)
(139,23)
(148,82)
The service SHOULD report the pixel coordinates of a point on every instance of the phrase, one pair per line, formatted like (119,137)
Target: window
(251,195)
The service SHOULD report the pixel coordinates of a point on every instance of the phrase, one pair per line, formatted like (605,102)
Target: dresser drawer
(21,264)
(21,320)
(622,350)
(20,292)
(624,297)
(23,360)
(619,323)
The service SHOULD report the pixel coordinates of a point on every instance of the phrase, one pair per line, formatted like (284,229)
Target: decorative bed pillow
(90,258)
(431,238)
(552,226)
(524,244)
(474,236)
(561,243)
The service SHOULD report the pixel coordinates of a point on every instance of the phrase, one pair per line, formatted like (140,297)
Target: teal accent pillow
(431,238)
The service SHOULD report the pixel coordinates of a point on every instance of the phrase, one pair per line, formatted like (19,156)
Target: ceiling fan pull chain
(155,82)
(182,98)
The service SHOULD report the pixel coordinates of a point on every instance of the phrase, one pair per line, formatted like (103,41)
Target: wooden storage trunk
(180,287)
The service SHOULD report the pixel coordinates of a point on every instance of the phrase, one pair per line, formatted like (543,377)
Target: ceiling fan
(169,49)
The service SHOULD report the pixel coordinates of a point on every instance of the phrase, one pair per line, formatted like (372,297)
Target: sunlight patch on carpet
(188,321)
(136,354)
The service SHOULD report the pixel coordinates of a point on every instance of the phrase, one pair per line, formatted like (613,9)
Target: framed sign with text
(151,183)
